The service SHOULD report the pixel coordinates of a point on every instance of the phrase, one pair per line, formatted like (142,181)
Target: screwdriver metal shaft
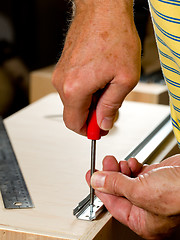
(93,160)
(93,133)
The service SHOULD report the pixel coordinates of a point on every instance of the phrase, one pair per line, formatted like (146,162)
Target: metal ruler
(12,185)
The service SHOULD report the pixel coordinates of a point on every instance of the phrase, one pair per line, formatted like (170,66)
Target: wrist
(118,5)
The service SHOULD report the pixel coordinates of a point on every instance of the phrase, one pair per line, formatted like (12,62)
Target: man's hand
(101,52)
(145,198)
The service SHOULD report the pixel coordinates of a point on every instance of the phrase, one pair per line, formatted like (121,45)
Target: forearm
(104,15)
(103,6)
(103,2)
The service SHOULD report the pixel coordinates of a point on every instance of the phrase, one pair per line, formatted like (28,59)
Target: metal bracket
(82,211)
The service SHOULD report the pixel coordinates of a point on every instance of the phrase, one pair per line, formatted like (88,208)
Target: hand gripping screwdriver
(93,133)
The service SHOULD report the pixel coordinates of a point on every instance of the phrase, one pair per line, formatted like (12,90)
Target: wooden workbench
(54,161)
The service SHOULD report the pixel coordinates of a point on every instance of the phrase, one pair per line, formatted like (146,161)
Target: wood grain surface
(54,161)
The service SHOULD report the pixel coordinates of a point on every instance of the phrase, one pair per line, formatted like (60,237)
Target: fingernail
(107,123)
(97,180)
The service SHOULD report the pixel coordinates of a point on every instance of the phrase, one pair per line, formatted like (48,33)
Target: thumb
(120,185)
(153,191)
(111,100)
(114,183)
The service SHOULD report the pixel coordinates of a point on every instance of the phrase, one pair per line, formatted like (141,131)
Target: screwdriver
(93,133)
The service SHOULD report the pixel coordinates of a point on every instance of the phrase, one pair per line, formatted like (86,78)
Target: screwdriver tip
(91,208)
(91,212)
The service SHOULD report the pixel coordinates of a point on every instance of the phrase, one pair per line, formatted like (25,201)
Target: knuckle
(112,183)
(128,79)
(140,190)
(116,186)
(70,87)
(140,193)
(65,82)
(137,193)
(110,107)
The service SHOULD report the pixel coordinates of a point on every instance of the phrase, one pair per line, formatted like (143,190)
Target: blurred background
(31,37)
(32,34)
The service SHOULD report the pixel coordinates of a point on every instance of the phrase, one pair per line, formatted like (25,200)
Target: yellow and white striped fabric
(166,20)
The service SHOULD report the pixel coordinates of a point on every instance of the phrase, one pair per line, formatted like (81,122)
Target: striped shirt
(166,21)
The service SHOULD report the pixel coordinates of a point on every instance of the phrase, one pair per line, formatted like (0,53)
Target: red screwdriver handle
(93,130)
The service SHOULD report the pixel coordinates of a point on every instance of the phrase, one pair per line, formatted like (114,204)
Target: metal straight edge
(12,184)
(150,144)
(142,152)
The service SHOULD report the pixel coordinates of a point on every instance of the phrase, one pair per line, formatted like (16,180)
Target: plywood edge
(6,234)
(16,234)
(92,232)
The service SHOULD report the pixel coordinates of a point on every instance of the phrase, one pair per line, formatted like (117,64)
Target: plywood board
(54,161)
